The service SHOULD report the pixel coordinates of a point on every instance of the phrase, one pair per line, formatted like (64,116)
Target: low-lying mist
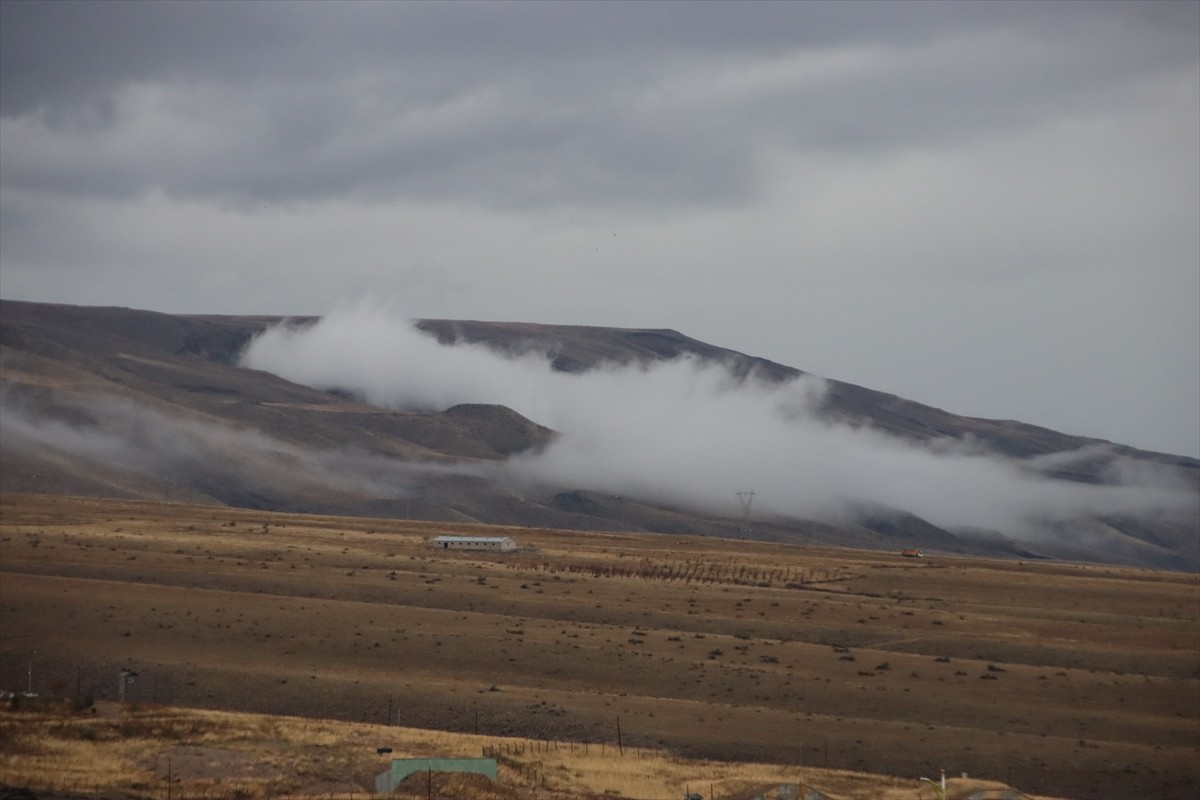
(198,454)
(689,433)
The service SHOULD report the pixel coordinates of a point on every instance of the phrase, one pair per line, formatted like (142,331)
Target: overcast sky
(989,207)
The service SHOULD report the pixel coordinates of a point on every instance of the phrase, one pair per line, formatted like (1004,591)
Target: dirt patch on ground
(200,763)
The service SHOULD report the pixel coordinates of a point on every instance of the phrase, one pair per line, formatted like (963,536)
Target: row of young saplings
(691,571)
(541,746)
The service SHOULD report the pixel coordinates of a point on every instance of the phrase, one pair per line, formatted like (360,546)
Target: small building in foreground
(401,768)
(498,544)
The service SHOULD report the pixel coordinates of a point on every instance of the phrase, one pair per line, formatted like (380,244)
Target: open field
(1059,679)
(137,750)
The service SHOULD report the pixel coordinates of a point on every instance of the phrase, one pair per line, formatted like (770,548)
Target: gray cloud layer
(541,103)
(988,206)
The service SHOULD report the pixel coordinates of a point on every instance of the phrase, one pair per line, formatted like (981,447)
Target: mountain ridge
(250,438)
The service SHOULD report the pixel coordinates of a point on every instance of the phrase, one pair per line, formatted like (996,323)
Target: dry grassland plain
(1059,679)
(136,750)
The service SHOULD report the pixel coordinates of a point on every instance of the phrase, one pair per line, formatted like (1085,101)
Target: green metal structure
(403,767)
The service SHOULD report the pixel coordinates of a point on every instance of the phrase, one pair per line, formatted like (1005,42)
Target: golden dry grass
(210,754)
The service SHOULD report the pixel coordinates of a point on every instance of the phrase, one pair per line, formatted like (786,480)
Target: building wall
(503,545)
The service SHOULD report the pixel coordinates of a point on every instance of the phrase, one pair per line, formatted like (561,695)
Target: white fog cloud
(689,433)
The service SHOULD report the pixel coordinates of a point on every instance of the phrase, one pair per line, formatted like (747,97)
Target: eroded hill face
(134,404)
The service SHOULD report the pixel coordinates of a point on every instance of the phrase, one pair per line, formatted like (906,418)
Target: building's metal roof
(473,539)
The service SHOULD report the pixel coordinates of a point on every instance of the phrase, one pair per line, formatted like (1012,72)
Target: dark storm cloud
(62,53)
(515,104)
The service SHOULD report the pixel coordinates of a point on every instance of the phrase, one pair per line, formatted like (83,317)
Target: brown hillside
(154,406)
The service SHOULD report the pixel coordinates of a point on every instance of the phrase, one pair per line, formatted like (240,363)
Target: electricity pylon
(746,498)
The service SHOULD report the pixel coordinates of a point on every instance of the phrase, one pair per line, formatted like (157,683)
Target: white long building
(501,544)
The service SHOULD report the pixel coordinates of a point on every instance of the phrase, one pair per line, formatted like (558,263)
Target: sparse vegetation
(218,755)
(216,617)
